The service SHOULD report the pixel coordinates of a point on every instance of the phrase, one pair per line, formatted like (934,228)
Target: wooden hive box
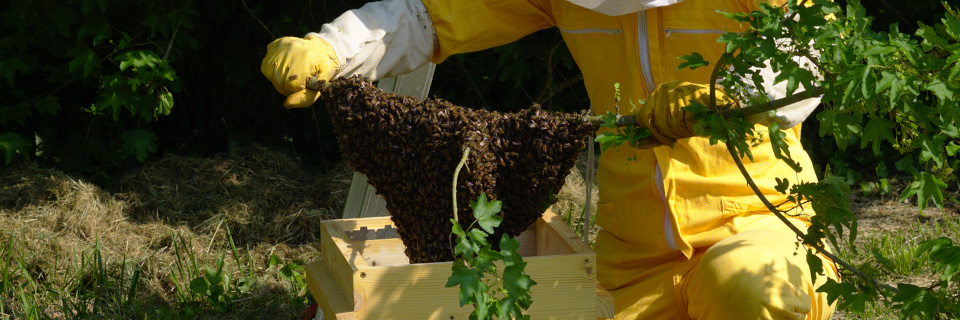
(364,274)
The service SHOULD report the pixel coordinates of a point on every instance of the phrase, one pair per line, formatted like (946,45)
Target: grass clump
(181,238)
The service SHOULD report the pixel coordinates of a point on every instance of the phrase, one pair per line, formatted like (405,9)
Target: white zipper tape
(592,30)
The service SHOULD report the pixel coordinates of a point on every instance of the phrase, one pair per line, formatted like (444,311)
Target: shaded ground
(270,206)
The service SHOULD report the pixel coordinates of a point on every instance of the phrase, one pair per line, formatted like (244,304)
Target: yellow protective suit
(683,235)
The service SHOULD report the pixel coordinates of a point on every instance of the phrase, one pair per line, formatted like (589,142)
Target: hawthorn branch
(630,120)
(819,247)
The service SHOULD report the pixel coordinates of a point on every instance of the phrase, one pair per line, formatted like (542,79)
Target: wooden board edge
(330,296)
(563,230)
(604,303)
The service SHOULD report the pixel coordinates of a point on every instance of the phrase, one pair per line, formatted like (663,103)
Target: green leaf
(883,261)
(508,251)
(86,60)
(139,142)
(137,59)
(518,283)
(952,149)
(693,61)
(816,265)
(929,149)
(868,83)
(469,281)
(896,88)
(199,285)
(915,302)
(926,187)
(941,89)
(48,105)
(782,185)
(12,145)
(486,213)
(778,141)
(886,80)
(609,139)
(930,37)
(875,50)
(485,258)
(876,131)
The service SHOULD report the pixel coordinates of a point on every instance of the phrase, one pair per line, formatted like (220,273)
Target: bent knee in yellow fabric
(756,274)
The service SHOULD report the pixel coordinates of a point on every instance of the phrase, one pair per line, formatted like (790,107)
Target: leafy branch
(883,88)
(494,294)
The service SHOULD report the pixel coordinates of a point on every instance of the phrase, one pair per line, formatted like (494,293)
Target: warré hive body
(409,150)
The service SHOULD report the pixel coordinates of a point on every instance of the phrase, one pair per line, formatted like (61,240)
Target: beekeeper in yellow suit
(683,235)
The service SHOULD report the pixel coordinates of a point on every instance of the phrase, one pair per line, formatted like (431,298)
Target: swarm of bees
(409,150)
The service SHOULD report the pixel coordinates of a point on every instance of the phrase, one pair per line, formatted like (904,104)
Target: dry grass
(269,204)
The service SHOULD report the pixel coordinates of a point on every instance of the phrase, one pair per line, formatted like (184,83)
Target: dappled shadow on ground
(260,195)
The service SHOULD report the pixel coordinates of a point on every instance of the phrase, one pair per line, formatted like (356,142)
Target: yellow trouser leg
(756,274)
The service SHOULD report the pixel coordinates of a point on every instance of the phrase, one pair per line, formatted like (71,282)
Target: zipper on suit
(667,218)
(644,48)
(591,30)
(670,31)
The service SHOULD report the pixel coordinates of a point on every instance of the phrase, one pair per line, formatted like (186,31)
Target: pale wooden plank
(331,298)
(528,242)
(414,291)
(569,237)
(549,241)
(604,303)
(378,253)
(341,260)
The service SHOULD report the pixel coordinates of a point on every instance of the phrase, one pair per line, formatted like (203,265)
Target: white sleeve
(792,114)
(381,39)
(789,115)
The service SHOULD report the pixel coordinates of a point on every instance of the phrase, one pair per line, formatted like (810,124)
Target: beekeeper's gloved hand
(662,112)
(291,61)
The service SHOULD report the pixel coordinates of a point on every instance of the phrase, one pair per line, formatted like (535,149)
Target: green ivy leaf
(469,281)
(139,142)
(508,251)
(926,187)
(485,258)
(518,283)
(486,213)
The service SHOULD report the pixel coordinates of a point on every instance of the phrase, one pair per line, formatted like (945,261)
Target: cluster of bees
(409,150)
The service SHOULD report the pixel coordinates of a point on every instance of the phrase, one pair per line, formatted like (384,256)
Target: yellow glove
(290,61)
(662,112)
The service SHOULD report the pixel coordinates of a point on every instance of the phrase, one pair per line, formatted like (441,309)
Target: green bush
(84,80)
